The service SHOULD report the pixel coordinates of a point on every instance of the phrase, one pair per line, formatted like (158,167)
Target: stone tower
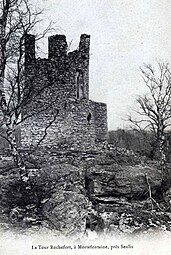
(60,105)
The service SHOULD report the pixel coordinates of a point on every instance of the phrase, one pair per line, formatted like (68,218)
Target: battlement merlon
(83,62)
(84,45)
(57,47)
(29,49)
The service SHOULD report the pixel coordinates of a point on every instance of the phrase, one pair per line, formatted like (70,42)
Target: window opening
(89,117)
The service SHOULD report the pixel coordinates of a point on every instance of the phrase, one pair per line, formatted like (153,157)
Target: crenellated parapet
(71,67)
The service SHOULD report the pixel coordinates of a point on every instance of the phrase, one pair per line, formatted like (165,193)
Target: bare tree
(154,108)
(17,19)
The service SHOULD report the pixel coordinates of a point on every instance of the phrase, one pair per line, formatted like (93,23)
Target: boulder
(68,207)
(67,211)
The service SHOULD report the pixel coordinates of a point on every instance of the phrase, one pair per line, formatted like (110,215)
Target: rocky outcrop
(109,186)
(119,180)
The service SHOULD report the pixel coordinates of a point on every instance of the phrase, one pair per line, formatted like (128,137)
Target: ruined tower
(61,107)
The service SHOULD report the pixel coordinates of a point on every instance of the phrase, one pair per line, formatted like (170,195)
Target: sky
(125,34)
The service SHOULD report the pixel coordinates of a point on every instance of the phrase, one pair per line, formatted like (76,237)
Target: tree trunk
(162,153)
(11,137)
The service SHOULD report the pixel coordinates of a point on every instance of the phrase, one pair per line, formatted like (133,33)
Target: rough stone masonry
(61,108)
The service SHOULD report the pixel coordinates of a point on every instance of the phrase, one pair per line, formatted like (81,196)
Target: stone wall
(73,127)
(100,113)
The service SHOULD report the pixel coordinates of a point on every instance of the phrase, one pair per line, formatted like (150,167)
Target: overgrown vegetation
(141,142)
